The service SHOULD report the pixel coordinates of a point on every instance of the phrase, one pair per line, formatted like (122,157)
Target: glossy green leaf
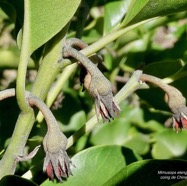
(96,165)
(169,144)
(134,9)
(47,18)
(150,172)
(115,132)
(114,13)
(146,9)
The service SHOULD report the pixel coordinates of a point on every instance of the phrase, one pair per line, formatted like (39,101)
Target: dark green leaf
(15,180)
(151,172)
(134,9)
(181,183)
(9,10)
(144,9)
(163,69)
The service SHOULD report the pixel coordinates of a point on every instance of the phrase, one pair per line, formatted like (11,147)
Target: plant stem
(98,45)
(24,59)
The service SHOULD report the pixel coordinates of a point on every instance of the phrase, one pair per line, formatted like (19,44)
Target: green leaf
(19,9)
(16,180)
(46,18)
(114,13)
(146,9)
(115,132)
(158,95)
(9,10)
(144,119)
(133,10)
(137,141)
(169,144)
(181,183)
(121,132)
(77,120)
(150,172)
(163,69)
(96,165)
